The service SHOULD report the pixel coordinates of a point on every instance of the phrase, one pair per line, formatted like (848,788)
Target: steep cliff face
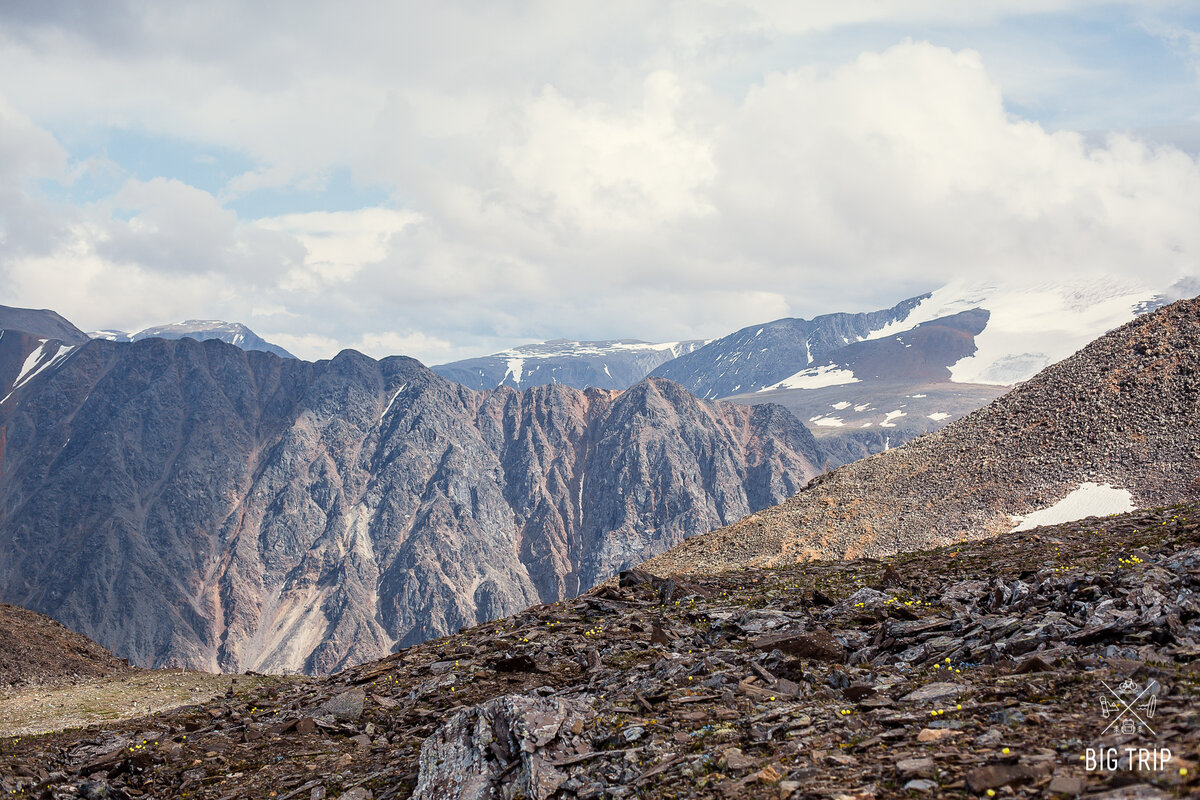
(190,503)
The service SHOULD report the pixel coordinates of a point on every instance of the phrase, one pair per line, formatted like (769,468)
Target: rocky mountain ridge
(1124,412)
(762,355)
(194,504)
(41,323)
(610,364)
(234,333)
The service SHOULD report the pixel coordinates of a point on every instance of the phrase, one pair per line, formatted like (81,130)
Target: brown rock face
(36,650)
(1123,411)
(189,503)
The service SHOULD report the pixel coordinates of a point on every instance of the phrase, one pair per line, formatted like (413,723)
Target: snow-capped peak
(1030,325)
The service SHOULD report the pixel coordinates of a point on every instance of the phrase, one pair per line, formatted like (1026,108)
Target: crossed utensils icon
(1129,686)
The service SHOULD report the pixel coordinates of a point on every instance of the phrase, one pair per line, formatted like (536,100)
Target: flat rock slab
(935,692)
(995,775)
(817,643)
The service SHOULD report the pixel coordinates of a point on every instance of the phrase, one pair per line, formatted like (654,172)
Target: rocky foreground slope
(1124,411)
(979,669)
(192,504)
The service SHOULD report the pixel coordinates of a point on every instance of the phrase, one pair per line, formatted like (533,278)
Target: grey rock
(920,785)
(346,706)
(935,692)
(510,741)
(909,767)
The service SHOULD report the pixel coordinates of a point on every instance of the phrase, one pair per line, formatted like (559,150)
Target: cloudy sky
(448,179)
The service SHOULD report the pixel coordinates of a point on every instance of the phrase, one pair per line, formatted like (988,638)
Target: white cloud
(907,161)
(665,171)
(338,243)
(424,348)
(588,168)
(179,228)
(28,226)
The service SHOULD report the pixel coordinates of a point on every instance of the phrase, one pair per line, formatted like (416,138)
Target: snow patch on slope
(1088,500)
(1030,325)
(516,368)
(815,378)
(31,361)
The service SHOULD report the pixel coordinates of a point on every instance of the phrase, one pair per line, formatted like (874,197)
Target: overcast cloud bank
(584,170)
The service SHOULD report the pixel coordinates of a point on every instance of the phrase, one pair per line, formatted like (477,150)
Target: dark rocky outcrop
(189,503)
(37,651)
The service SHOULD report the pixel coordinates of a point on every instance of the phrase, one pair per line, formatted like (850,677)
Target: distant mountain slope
(855,420)
(1032,325)
(1123,413)
(924,353)
(41,323)
(234,333)
(190,503)
(762,355)
(918,366)
(610,364)
(966,332)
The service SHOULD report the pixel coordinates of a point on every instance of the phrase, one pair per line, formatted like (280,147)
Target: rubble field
(983,669)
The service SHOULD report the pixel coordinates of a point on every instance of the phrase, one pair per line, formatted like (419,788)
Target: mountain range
(192,503)
(937,645)
(253,512)
(234,333)
(1114,427)
(864,382)
(611,364)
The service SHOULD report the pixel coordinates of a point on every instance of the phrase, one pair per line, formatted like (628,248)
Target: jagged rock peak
(190,503)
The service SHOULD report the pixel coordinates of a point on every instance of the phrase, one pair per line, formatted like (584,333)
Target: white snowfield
(1087,500)
(1030,326)
(517,359)
(815,378)
(566,347)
